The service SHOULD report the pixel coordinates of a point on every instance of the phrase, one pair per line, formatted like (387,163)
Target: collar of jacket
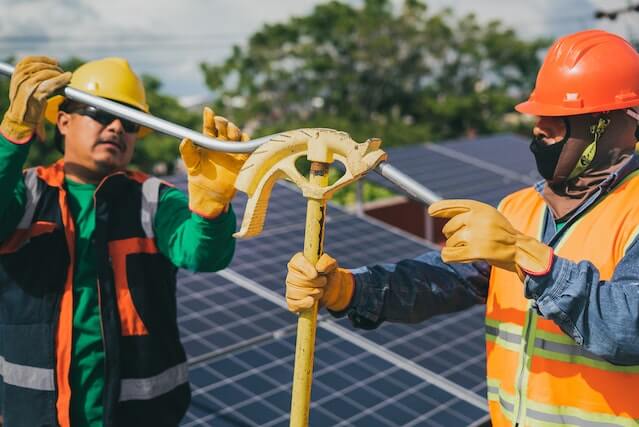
(631,165)
(54,174)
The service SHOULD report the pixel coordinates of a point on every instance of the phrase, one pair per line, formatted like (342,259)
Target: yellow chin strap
(589,153)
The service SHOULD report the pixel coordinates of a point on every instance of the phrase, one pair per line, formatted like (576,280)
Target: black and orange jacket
(146,380)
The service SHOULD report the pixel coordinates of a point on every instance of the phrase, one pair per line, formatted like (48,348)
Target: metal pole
(408,184)
(403,181)
(155,123)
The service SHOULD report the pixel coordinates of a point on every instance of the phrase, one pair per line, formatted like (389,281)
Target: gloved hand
(326,282)
(212,174)
(478,231)
(34,80)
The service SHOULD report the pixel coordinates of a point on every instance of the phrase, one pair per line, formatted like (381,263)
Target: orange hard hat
(585,72)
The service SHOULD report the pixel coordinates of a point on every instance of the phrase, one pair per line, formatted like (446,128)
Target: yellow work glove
(477,231)
(212,174)
(327,283)
(34,80)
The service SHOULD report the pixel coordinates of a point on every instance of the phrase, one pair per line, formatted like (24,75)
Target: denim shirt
(602,316)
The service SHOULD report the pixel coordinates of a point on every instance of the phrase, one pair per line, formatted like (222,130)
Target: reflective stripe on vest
(150,198)
(25,229)
(27,376)
(551,346)
(152,387)
(32,187)
(537,374)
(552,416)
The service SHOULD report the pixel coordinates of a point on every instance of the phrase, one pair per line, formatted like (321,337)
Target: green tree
(406,76)
(155,152)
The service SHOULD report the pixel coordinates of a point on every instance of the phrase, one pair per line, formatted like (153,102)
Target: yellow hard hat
(110,78)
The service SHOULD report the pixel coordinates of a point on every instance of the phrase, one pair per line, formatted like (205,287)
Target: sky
(169,38)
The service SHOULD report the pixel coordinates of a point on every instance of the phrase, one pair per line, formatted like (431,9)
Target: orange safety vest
(145,369)
(538,375)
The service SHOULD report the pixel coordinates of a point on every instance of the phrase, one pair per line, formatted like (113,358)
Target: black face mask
(547,156)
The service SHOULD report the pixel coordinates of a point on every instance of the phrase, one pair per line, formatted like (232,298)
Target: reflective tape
(152,387)
(510,337)
(564,349)
(565,419)
(495,395)
(32,193)
(550,415)
(569,349)
(150,198)
(27,376)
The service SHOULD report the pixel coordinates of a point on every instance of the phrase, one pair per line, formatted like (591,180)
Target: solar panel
(484,169)
(351,387)
(214,313)
(506,150)
(240,339)
(451,346)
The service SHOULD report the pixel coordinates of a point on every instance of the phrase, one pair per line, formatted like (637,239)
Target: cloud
(169,38)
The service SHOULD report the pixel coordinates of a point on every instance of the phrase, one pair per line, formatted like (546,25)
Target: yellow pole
(307,322)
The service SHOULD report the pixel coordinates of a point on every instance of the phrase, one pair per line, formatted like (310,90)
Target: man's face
(99,146)
(549,130)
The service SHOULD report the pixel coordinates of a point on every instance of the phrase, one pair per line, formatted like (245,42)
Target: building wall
(407,215)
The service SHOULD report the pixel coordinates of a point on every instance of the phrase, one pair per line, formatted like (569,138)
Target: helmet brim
(539,109)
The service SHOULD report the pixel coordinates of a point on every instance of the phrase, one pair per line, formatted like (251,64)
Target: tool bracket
(276,159)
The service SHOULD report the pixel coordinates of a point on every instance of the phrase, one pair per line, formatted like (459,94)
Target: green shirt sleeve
(12,190)
(190,241)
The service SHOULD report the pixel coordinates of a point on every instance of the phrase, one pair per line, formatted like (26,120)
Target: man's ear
(63,121)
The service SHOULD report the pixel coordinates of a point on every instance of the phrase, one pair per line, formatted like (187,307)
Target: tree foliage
(406,75)
(156,152)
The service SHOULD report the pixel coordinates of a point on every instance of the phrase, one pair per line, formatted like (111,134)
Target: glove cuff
(341,288)
(16,131)
(534,257)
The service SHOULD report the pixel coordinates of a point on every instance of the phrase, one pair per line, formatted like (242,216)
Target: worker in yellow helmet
(89,252)
(557,265)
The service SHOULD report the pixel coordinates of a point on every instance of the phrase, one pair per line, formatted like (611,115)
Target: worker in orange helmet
(89,252)
(557,265)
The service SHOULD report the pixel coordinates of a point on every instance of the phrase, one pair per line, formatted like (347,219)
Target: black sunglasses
(105,118)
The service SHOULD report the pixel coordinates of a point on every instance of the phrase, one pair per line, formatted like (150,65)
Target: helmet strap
(586,158)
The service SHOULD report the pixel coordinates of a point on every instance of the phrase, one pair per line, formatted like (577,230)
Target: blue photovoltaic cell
(506,150)
(452,346)
(351,387)
(215,313)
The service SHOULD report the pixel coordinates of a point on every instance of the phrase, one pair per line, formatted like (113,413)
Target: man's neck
(83,175)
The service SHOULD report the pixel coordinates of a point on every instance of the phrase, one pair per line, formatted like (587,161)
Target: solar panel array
(240,338)
(485,168)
